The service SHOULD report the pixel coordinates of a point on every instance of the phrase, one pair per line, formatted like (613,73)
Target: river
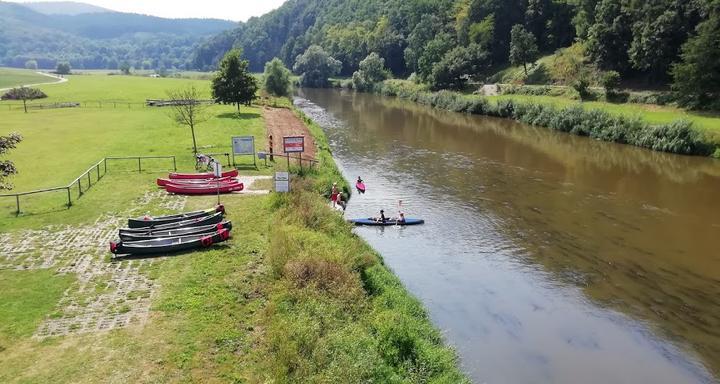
(545,257)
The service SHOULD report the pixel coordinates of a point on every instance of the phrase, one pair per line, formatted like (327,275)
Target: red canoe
(164,182)
(203,189)
(206,175)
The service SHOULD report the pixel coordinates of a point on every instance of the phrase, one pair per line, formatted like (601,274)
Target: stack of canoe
(173,233)
(201,183)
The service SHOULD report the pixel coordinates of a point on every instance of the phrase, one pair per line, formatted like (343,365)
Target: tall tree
(372,70)
(697,77)
(523,47)
(277,78)
(187,109)
(316,66)
(234,84)
(24,94)
(63,68)
(610,35)
(7,167)
(459,65)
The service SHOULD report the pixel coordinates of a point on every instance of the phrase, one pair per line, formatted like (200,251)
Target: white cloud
(238,10)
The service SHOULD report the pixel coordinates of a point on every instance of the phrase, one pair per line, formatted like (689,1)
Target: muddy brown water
(545,257)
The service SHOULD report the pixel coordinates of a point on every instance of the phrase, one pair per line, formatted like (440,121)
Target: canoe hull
(208,189)
(163,182)
(196,222)
(169,245)
(142,222)
(206,175)
(188,231)
(389,222)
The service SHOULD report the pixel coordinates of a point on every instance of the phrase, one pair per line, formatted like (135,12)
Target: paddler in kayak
(382,218)
(360,185)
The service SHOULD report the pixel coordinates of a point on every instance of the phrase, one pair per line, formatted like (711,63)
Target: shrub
(582,86)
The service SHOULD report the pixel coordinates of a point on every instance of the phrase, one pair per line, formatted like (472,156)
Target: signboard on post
(294,144)
(217,169)
(243,145)
(282,182)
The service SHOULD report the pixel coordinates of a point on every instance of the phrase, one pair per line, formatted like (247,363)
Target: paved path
(58,78)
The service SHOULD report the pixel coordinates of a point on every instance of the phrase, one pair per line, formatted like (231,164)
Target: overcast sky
(237,10)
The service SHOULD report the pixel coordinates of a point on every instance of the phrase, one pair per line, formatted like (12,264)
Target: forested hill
(639,39)
(95,40)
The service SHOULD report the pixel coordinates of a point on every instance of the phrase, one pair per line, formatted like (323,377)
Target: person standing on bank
(334,193)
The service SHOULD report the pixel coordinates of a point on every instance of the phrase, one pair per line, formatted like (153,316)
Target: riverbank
(294,296)
(679,136)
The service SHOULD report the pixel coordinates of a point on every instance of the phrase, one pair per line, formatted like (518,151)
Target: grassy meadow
(13,77)
(293,297)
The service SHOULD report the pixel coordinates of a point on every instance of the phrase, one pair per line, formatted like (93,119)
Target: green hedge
(676,137)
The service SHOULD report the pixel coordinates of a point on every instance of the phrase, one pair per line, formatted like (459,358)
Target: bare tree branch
(187,110)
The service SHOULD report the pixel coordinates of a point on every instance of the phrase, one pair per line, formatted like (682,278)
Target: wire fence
(80,185)
(97,104)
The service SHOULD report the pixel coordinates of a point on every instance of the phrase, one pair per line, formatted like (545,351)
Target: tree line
(446,42)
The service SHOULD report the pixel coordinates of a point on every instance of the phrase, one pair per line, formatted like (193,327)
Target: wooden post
(97,167)
(105,162)
(139,166)
(17,201)
(69,199)
(174,164)
(88,175)
(79,188)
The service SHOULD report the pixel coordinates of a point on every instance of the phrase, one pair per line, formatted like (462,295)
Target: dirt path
(58,78)
(283,122)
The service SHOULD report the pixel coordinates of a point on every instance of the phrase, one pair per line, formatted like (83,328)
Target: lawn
(27,297)
(60,144)
(653,114)
(12,77)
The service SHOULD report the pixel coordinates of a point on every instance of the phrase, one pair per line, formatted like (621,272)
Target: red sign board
(294,144)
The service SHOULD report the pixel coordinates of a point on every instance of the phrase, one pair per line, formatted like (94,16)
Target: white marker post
(217,172)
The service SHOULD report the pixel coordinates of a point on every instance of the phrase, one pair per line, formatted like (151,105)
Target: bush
(582,86)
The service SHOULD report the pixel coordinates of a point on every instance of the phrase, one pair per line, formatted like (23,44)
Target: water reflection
(546,257)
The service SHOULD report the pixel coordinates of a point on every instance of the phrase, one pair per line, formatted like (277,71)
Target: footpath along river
(545,257)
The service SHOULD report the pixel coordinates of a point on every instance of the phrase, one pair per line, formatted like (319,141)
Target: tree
(697,77)
(372,71)
(611,82)
(7,167)
(31,64)
(609,37)
(233,84)
(316,66)
(24,94)
(458,65)
(523,47)
(276,78)
(63,68)
(187,109)
(125,68)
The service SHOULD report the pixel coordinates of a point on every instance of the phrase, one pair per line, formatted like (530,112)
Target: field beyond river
(294,296)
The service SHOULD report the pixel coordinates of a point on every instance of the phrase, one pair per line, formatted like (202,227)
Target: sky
(236,10)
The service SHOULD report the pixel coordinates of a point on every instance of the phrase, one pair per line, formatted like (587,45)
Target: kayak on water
(373,221)
(360,187)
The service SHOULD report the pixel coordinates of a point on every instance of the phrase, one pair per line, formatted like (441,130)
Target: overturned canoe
(169,244)
(148,221)
(204,189)
(163,182)
(186,231)
(374,222)
(196,222)
(205,175)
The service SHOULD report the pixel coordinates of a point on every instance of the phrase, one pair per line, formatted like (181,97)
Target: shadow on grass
(239,115)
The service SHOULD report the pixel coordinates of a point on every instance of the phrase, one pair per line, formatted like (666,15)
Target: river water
(545,257)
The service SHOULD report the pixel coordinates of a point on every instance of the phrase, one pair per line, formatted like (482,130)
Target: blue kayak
(372,221)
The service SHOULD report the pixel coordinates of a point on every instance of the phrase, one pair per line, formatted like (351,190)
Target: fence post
(69,199)
(174,164)
(139,166)
(17,200)
(79,187)
(89,183)
(105,161)
(97,167)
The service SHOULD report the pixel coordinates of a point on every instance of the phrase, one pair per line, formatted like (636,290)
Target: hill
(446,42)
(64,8)
(99,40)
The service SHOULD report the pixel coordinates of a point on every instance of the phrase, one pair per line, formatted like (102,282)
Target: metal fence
(87,175)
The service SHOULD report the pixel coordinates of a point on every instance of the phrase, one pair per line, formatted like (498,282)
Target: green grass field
(13,77)
(241,311)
